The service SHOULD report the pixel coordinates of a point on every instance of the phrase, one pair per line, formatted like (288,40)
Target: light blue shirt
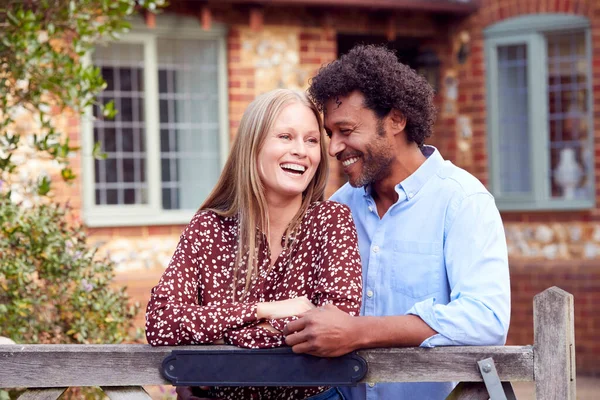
(440,253)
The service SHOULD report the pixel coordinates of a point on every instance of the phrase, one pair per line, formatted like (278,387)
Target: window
(166,146)
(540,112)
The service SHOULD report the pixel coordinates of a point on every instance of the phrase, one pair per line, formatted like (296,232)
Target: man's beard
(376,161)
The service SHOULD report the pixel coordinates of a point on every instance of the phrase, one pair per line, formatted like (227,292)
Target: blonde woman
(264,247)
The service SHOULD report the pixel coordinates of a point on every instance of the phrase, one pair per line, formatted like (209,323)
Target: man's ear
(397,121)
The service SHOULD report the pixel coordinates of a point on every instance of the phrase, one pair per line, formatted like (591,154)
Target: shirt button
(411,195)
(371,384)
(375,249)
(369,293)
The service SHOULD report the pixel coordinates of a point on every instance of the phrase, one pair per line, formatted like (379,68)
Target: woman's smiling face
(290,153)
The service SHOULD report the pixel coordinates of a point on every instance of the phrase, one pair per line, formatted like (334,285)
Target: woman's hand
(283,308)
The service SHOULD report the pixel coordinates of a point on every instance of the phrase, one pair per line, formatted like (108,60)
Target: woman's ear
(397,121)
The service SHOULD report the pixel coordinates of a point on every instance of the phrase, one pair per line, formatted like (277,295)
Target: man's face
(358,139)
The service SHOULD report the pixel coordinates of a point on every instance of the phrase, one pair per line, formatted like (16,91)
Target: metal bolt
(486,368)
(356,368)
(171,367)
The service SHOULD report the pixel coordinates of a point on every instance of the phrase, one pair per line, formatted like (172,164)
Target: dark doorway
(407,49)
(410,51)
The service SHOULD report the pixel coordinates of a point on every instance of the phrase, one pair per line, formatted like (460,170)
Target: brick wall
(315,38)
(573,230)
(316,45)
(316,33)
(471,100)
(582,279)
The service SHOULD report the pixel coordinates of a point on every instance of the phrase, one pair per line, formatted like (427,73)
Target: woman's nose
(299,148)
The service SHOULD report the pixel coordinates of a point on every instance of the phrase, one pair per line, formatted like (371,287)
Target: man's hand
(324,332)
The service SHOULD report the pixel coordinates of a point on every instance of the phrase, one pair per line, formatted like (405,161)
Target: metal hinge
(496,389)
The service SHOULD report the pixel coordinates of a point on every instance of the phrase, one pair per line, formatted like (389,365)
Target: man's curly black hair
(384,82)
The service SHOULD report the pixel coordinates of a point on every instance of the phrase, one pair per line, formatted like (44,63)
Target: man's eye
(345,131)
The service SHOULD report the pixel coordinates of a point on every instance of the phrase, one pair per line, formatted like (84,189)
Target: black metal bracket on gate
(269,367)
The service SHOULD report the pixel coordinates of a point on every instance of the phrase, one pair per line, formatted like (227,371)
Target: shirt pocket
(416,268)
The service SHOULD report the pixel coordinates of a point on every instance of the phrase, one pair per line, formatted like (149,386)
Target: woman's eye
(313,140)
(285,136)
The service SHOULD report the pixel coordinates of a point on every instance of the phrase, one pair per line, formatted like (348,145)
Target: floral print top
(193,302)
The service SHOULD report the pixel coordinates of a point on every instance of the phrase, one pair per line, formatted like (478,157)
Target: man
(435,269)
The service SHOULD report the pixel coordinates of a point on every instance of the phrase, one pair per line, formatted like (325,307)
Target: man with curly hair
(435,264)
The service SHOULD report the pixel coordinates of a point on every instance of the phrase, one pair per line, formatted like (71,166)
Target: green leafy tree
(42,46)
(52,289)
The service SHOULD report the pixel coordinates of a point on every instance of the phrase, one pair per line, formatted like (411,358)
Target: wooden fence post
(554,345)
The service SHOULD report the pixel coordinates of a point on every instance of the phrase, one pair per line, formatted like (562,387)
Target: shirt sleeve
(339,270)
(254,337)
(338,274)
(477,267)
(174,315)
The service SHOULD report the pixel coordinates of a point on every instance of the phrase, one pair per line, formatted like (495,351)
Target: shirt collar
(415,182)
(417,179)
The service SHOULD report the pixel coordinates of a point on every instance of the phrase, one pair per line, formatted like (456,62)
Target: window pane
(121,178)
(189,128)
(513,100)
(570,153)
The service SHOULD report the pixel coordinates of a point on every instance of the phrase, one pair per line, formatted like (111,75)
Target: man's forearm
(392,331)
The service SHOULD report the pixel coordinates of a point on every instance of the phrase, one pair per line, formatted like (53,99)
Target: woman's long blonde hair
(239,190)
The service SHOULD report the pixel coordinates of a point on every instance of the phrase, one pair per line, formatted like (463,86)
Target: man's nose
(336,145)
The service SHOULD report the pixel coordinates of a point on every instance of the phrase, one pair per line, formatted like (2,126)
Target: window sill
(121,216)
(555,205)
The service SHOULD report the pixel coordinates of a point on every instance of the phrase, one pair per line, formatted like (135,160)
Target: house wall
(550,248)
(288,49)
(546,248)
(579,277)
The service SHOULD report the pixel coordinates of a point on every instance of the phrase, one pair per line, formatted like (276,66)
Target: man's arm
(478,312)
(476,260)
(329,332)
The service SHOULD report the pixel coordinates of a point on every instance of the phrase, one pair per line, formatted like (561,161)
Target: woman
(263,247)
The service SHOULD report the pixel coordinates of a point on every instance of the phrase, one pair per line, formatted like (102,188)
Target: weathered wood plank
(70,365)
(135,365)
(126,393)
(447,364)
(42,394)
(554,337)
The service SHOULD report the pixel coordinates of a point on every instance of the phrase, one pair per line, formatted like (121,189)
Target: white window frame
(167,26)
(529,30)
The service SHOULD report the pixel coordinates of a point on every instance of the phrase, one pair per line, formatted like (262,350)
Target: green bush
(52,288)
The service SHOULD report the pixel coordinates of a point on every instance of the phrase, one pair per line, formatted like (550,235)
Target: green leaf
(67,174)
(43,186)
(108,110)
(13,20)
(97,152)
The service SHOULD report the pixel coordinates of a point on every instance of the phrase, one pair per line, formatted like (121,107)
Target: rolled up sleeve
(476,261)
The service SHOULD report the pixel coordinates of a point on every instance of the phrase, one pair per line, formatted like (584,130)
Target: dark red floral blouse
(192,303)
